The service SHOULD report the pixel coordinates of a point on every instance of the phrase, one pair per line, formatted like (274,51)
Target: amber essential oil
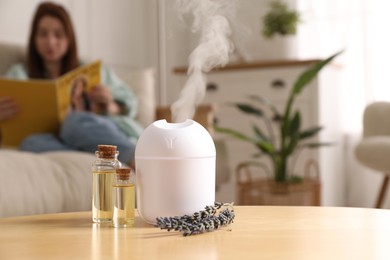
(102,208)
(103,173)
(123,195)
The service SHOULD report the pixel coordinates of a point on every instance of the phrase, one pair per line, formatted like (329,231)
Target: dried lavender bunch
(201,221)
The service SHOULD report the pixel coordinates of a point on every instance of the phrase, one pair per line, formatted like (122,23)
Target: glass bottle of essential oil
(103,172)
(123,198)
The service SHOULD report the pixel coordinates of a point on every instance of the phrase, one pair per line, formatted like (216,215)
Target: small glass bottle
(103,172)
(123,195)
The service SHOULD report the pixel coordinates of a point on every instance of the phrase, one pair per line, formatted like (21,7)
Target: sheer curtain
(360,27)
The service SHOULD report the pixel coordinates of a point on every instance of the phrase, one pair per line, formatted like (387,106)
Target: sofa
(55,182)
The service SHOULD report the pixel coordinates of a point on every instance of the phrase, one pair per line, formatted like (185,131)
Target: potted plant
(280,20)
(279,26)
(279,148)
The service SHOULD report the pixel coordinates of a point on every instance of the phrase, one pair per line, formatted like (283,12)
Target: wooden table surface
(259,232)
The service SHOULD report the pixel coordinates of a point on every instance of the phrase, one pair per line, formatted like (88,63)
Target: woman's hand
(102,101)
(8,108)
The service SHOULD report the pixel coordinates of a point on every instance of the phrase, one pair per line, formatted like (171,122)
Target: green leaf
(234,133)
(285,126)
(266,147)
(295,124)
(266,102)
(259,133)
(309,132)
(314,145)
(293,134)
(305,78)
(249,109)
(290,130)
(292,145)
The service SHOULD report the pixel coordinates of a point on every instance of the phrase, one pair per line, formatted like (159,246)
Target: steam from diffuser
(211,18)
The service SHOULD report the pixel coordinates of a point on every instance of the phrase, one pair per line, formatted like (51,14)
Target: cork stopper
(107,151)
(123,173)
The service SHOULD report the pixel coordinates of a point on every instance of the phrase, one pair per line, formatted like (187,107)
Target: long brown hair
(70,60)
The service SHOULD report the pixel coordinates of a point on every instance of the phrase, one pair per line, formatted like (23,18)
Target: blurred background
(131,34)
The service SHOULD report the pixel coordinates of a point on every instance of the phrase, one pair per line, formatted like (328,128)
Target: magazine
(44,104)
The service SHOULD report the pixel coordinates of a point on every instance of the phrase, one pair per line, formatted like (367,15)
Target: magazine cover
(44,104)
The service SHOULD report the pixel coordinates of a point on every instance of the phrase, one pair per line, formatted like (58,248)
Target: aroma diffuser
(175,169)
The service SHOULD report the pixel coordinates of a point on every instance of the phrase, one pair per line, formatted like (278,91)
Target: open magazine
(44,104)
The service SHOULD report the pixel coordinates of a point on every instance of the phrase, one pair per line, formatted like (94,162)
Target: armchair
(374,149)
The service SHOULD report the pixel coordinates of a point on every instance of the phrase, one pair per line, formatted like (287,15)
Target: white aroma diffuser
(175,169)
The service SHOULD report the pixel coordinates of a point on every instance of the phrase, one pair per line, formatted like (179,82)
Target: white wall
(15,21)
(120,32)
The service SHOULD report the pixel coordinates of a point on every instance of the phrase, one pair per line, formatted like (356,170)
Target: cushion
(374,153)
(50,182)
(10,54)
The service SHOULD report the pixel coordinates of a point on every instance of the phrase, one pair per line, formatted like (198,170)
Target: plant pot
(278,48)
(263,191)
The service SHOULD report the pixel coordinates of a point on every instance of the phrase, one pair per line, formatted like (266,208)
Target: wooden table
(259,232)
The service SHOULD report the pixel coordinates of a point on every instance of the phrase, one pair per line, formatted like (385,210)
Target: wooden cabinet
(273,80)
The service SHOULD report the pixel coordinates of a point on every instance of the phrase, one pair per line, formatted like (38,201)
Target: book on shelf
(44,104)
